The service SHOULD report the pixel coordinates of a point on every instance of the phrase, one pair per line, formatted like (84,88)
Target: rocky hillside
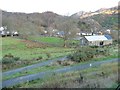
(106,17)
(104,11)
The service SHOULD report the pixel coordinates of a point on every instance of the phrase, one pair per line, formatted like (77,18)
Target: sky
(62,7)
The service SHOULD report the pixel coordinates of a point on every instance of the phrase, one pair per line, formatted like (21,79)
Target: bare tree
(69,29)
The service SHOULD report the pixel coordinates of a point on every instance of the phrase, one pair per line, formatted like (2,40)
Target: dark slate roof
(108,37)
(61,32)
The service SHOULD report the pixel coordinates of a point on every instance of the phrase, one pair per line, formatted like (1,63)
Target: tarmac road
(31,66)
(14,81)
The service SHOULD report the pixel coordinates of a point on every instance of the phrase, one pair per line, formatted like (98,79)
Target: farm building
(97,40)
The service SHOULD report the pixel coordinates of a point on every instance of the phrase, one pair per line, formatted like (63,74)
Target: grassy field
(31,52)
(38,52)
(104,76)
(55,65)
(55,41)
(49,40)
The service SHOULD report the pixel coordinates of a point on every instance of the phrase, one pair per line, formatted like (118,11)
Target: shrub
(87,53)
(7,60)
(94,46)
(59,62)
(44,47)
(40,57)
(16,58)
(82,54)
(8,55)
(48,55)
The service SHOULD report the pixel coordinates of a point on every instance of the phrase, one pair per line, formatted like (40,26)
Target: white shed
(96,40)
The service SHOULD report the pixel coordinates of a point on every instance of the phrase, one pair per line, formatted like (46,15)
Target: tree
(82,25)
(68,27)
(89,25)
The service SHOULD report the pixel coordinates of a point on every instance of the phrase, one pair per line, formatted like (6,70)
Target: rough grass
(31,71)
(19,48)
(50,40)
(31,51)
(53,66)
(55,41)
(32,55)
(104,76)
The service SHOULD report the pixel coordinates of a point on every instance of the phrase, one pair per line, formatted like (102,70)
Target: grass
(89,74)
(54,41)
(32,53)
(46,68)
(31,71)
(49,40)
(32,58)
(18,48)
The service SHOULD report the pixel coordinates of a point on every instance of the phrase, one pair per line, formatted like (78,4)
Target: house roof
(108,37)
(61,32)
(78,38)
(97,38)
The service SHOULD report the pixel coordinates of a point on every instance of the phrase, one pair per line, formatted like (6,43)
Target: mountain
(106,17)
(107,21)
(37,23)
(78,14)
(33,23)
(104,11)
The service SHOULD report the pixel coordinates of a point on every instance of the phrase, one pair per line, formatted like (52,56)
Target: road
(22,79)
(31,66)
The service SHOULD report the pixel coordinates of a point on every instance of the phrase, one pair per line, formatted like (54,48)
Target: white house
(1,28)
(15,33)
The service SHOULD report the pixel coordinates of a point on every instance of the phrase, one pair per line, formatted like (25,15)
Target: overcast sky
(63,7)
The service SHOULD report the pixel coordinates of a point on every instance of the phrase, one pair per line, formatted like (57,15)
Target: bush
(83,54)
(40,57)
(8,55)
(102,52)
(16,58)
(94,46)
(48,55)
(7,60)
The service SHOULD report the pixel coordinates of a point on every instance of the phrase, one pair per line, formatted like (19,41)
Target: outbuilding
(97,40)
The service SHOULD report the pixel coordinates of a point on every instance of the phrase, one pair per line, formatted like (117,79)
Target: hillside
(107,21)
(37,23)
(106,17)
(32,23)
(103,11)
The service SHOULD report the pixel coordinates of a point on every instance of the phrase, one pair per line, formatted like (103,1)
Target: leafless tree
(69,29)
